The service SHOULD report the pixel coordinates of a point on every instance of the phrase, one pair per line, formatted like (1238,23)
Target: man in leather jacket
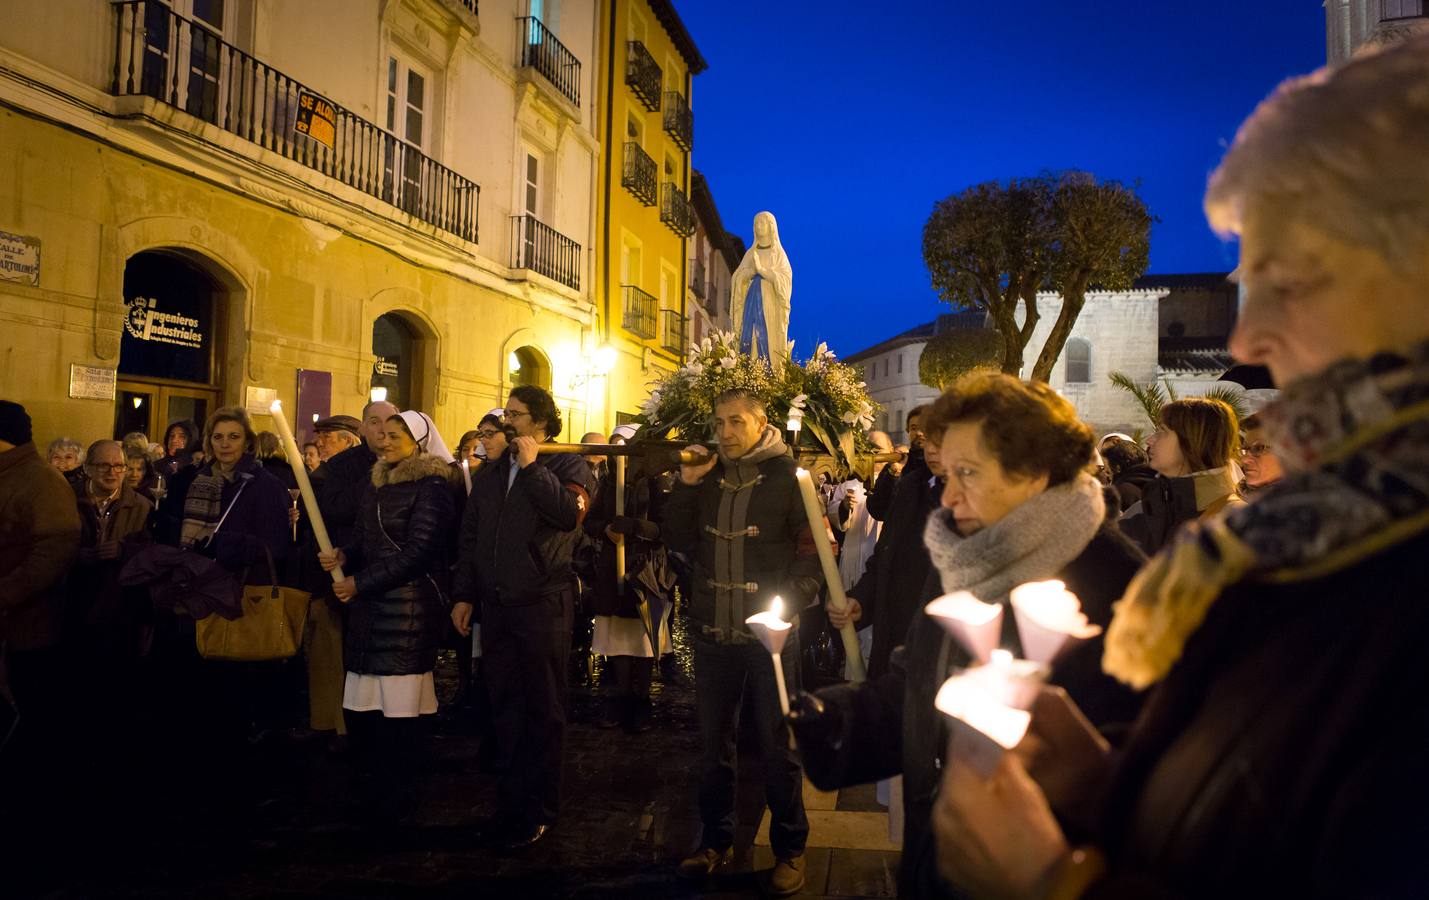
(520,527)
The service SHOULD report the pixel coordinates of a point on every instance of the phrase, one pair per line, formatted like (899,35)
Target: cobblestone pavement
(629,814)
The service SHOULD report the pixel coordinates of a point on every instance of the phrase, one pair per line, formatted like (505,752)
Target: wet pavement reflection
(629,815)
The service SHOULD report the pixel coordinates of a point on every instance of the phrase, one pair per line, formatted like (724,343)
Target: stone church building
(1170,328)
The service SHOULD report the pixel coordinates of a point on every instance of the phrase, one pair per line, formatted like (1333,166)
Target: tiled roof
(1193,356)
(916,334)
(1207,281)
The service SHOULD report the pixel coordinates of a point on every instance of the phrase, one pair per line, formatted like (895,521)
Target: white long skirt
(395,696)
(619,636)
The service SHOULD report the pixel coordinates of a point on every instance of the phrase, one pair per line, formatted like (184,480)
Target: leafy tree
(988,248)
(957,351)
(996,244)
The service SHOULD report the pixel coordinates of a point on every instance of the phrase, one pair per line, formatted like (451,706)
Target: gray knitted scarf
(1032,543)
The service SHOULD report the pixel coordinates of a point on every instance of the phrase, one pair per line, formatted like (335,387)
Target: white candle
(837,599)
(772,631)
(1048,615)
(466,473)
(620,538)
(300,471)
(974,624)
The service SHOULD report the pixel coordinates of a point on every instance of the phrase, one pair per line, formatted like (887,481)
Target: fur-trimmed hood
(413,468)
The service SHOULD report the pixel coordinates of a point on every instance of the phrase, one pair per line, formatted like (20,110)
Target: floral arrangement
(836,409)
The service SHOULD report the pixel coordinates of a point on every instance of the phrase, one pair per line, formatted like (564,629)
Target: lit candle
(620,538)
(1048,615)
(837,599)
(466,473)
(305,487)
(974,624)
(983,727)
(773,631)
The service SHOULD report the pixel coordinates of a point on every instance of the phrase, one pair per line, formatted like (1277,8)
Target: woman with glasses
(1261,466)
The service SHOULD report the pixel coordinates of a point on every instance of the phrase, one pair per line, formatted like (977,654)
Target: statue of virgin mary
(760,289)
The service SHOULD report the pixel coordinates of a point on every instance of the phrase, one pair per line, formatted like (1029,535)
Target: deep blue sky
(848,120)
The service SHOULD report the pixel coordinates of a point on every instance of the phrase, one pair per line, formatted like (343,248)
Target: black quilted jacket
(399,556)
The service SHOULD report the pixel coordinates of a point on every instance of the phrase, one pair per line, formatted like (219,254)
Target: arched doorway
(170,346)
(528,365)
(406,363)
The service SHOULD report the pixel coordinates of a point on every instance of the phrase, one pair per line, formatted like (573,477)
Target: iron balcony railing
(640,175)
(674,333)
(643,75)
(178,61)
(675,210)
(544,250)
(679,121)
(638,310)
(471,5)
(1396,10)
(541,51)
(697,277)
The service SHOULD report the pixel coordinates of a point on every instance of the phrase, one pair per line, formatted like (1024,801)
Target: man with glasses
(102,618)
(518,534)
(1259,463)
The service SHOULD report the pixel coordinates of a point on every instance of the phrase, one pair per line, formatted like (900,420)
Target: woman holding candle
(1193,451)
(1282,753)
(1019,506)
(397,598)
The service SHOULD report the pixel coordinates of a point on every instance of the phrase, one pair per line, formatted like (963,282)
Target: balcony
(675,210)
(177,61)
(638,311)
(674,333)
(642,74)
(541,51)
(639,175)
(697,278)
(539,248)
(679,121)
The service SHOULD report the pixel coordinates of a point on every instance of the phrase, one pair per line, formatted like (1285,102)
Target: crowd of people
(1248,721)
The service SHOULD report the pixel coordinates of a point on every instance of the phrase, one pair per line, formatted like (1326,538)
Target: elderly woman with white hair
(1282,751)
(401,551)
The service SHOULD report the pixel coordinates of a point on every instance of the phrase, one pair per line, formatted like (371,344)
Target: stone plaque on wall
(91,382)
(259,400)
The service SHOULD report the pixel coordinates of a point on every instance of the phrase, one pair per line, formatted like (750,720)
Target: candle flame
(277,406)
(776,607)
(1002,657)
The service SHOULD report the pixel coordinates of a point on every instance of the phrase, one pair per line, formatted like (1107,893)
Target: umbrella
(180,577)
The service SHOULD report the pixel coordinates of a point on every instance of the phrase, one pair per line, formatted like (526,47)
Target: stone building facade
(715,255)
(235,202)
(1170,328)
(1350,24)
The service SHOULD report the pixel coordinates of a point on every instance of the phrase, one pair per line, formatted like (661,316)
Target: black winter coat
(896,582)
(1284,754)
(399,550)
(778,556)
(516,545)
(888,726)
(258,519)
(644,553)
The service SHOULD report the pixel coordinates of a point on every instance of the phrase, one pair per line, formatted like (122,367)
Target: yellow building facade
(644,218)
(171,241)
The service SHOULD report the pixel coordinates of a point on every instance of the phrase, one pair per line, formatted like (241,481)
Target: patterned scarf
(203,504)
(1354,441)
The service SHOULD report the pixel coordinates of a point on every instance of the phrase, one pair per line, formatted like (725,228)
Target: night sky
(848,120)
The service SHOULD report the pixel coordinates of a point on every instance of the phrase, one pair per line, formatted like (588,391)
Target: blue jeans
(721,671)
